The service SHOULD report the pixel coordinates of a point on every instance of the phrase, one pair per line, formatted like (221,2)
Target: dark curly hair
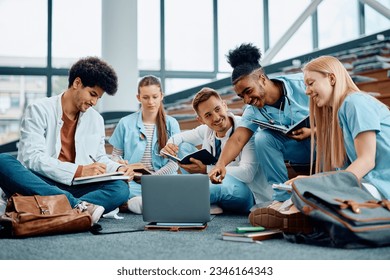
(94,72)
(244,60)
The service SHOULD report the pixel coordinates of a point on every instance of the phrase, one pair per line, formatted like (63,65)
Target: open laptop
(181,200)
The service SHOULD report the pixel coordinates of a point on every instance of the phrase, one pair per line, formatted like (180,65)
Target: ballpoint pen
(91,157)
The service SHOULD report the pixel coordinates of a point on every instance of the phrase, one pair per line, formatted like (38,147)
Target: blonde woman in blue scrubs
(139,137)
(354,126)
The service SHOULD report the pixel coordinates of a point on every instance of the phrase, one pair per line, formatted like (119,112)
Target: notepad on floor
(251,236)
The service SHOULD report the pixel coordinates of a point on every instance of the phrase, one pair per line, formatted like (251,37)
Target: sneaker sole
(97,214)
(272,219)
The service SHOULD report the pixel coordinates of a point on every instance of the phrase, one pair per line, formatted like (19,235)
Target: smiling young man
(280,100)
(60,138)
(243,185)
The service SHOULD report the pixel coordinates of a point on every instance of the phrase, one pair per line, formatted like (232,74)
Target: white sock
(135,204)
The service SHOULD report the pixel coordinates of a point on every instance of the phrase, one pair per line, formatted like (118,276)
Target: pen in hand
(91,157)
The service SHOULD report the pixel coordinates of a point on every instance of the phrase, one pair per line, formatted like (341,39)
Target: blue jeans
(272,150)
(231,195)
(15,178)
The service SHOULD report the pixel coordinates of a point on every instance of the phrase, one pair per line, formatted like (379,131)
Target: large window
(189,35)
(76,31)
(23,33)
(183,42)
(337,25)
(16,92)
(238,22)
(149,39)
(375,22)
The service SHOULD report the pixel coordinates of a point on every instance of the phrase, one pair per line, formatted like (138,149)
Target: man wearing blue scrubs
(280,100)
(244,183)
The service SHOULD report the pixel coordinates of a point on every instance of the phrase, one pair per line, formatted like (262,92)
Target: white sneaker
(135,204)
(215,209)
(3,202)
(96,211)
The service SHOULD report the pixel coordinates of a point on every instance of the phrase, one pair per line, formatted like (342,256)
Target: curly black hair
(244,59)
(94,72)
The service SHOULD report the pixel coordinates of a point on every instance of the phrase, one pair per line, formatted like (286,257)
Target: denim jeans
(272,149)
(15,178)
(232,195)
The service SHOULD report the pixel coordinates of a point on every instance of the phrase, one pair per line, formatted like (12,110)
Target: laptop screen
(181,198)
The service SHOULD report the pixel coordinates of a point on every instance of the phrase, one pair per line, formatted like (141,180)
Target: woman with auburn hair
(353,128)
(139,137)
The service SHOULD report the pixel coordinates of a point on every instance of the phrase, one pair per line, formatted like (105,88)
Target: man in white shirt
(62,138)
(244,185)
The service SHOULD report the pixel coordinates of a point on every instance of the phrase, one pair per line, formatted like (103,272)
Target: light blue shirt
(296,105)
(361,112)
(129,136)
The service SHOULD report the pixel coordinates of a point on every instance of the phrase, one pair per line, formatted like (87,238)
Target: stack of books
(254,236)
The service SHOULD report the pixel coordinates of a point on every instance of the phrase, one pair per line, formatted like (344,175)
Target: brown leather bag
(43,215)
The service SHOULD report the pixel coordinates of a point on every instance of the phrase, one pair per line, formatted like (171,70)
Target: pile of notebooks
(251,234)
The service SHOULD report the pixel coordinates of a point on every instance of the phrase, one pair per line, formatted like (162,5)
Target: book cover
(251,236)
(285,129)
(100,178)
(203,155)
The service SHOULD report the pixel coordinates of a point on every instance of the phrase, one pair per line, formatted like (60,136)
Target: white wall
(119,48)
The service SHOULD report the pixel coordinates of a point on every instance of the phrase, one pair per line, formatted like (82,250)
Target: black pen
(91,157)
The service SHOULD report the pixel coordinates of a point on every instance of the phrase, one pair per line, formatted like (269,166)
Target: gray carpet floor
(164,245)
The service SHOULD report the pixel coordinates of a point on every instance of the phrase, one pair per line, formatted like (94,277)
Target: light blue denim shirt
(129,136)
(296,105)
(359,113)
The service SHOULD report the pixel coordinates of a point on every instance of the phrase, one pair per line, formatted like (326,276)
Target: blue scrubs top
(129,136)
(296,105)
(361,112)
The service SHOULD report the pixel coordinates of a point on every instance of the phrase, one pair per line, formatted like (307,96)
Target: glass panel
(76,30)
(337,22)
(176,85)
(237,24)
(376,22)
(281,20)
(59,84)
(16,92)
(23,33)
(189,35)
(149,34)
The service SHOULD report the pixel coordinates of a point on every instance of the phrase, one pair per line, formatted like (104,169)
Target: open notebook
(283,128)
(100,178)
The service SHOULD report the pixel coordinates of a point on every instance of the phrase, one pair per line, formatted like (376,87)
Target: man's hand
(95,168)
(195,167)
(171,149)
(217,174)
(300,134)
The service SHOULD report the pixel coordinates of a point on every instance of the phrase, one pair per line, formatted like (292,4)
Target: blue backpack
(343,213)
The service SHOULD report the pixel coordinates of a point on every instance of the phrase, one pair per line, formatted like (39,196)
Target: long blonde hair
(329,139)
